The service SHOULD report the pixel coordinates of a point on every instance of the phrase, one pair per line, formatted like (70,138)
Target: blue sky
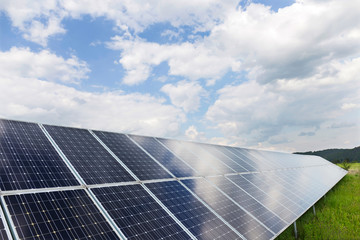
(279,75)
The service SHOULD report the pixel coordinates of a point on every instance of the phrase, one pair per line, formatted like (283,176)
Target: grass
(337,215)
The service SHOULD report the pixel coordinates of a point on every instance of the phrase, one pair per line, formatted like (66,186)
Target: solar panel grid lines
(132,156)
(283,195)
(187,156)
(57,215)
(222,157)
(86,154)
(240,219)
(252,206)
(62,155)
(191,212)
(149,155)
(249,165)
(163,155)
(205,156)
(272,204)
(28,160)
(4,229)
(260,165)
(137,214)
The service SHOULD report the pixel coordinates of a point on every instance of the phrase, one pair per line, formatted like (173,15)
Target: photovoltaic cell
(202,167)
(3,234)
(132,156)
(90,159)
(28,160)
(164,156)
(201,222)
(228,210)
(268,218)
(270,203)
(137,214)
(58,215)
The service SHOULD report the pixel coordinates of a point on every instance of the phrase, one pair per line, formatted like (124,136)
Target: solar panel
(143,166)
(86,155)
(3,232)
(28,160)
(180,150)
(137,214)
(57,215)
(245,200)
(201,222)
(248,226)
(164,156)
(137,187)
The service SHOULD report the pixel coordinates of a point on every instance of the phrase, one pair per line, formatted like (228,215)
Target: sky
(278,75)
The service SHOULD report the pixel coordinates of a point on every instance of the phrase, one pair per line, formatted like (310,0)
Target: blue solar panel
(90,159)
(57,215)
(3,234)
(164,156)
(201,222)
(228,210)
(180,150)
(28,160)
(137,214)
(270,203)
(132,156)
(270,219)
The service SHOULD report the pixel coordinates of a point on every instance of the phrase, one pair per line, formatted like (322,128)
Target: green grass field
(337,215)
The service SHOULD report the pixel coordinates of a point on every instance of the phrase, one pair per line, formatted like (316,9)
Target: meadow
(337,214)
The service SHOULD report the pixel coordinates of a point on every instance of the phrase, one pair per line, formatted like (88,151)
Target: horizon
(271,75)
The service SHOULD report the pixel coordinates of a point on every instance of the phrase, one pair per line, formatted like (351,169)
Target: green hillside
(337,155)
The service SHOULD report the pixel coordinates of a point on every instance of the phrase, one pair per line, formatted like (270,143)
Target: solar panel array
(70,183)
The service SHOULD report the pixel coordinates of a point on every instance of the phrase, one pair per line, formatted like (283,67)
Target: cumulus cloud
(193,61)
(22,62)
(260,112)
(25,96)
(186,95)
(40,19)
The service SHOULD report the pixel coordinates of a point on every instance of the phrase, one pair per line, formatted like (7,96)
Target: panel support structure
(295,230)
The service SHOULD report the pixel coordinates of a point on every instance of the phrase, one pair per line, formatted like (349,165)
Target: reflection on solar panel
(3,234)
(58,215)
(180,150)
(135,187)
(164,156)
(86,155)
(28,160)
(134,158)
(227,209)
(250,204)
(137,214)
(202,223)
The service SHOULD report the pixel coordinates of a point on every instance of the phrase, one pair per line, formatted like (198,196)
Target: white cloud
(192,61)
(25,97)
(296,107)
(22,62)
(186,95)
(39,20)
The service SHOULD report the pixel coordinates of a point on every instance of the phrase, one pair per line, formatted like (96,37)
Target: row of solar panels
(272,190)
